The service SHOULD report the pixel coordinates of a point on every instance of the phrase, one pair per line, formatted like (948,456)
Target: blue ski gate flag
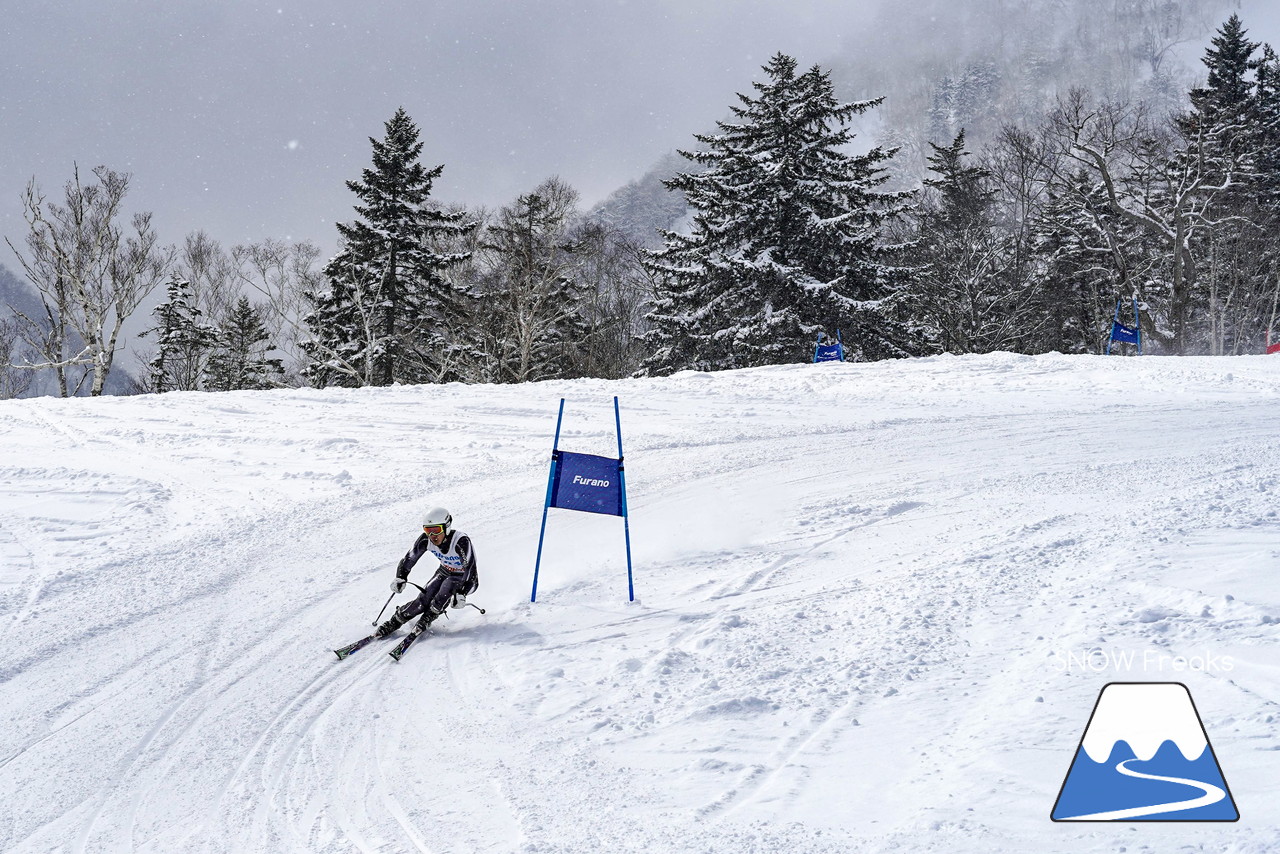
(823,352)
(1124,333)
(589,483)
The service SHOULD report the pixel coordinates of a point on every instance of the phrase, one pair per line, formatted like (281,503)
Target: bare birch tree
(90,273)
(282,273)
(532,261)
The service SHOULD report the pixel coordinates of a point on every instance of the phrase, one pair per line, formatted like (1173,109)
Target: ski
(345,651)
(404,644)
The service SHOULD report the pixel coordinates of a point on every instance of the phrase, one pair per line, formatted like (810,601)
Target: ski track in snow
(852,581)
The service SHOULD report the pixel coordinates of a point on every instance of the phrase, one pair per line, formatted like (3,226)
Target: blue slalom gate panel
(823,352)
(1126,334)
(588,483)
(828,353)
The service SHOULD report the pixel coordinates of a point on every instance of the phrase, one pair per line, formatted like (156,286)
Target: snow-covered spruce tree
(1227,96)
(240,360)
(786,237)
(385,317)
(1268,129)
(1225,137)
(968,292)
(183,341)
(1268,166)
(1220,130)
(963,194)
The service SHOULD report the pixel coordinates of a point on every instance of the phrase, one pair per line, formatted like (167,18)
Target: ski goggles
(433,529)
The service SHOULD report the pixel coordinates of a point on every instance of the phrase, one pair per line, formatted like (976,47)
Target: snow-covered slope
(876,606)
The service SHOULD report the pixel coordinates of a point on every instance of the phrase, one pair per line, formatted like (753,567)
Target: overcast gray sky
(245,118)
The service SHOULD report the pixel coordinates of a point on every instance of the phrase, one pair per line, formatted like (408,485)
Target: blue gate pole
(1111,336)
(1137,325)
(622,485)
(839,345)
(551,479)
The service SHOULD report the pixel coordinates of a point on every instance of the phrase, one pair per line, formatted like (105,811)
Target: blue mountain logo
(1145,756)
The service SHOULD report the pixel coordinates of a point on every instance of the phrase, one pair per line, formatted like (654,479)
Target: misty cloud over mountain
(245,119)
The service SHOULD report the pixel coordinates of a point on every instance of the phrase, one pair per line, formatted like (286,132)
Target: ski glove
(459,600)
(398,585)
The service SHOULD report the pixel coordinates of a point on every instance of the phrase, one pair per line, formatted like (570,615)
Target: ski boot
(397,620)
(424,623)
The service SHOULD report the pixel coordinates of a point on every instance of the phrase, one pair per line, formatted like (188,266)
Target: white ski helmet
(438,516)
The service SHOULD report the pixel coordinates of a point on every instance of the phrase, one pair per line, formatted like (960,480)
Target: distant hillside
(16,293)
(984,64)
(942,66)
(644,206)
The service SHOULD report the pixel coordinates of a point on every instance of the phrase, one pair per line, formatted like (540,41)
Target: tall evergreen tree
(1267,97)
(389,294)
(1220,129)
(786,238)
(1268,168)
(1227,95)
(968,296)
(1226,134)
(964,193)
(240,359)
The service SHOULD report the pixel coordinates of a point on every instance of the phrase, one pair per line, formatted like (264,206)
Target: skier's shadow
(504,632)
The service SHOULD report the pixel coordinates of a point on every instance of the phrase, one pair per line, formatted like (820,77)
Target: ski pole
(384,607)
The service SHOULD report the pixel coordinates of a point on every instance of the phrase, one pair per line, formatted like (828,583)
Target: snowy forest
(1014,199)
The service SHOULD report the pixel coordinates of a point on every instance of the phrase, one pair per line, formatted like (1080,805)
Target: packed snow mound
(876,603)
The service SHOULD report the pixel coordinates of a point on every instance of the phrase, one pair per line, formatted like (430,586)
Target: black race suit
(456,574)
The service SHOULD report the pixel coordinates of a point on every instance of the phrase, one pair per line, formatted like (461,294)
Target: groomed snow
(877,603)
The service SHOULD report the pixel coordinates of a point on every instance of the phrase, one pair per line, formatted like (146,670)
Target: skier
(455,579)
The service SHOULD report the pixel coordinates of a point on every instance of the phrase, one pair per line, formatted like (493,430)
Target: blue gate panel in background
(588,483)
(825,351)
(1124,334)
(828,353)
